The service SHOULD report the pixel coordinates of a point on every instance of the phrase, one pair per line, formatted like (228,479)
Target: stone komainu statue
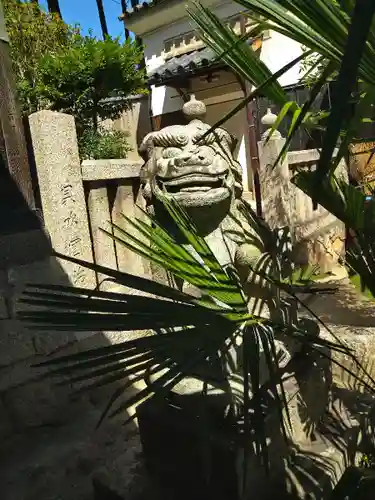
(201,174)
(198,170)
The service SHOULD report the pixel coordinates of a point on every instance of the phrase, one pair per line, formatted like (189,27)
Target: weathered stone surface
(123,478)
(48,271)
(4,294)
(275,183)
(20,373)
(96,170)
(23,247)
(35,404)
(3,308)
(43,402)
(125,203)
(12,129)
(15,342)
(61,190)
(48,342)
(361,164)
(6,427)
(58,462)
(319,235)
(100,218)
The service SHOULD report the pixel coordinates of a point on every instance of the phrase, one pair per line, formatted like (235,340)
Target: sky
(85,12)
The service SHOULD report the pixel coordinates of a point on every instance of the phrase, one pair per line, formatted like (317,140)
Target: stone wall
(27,397)
(77,200)
(135,121)
(318,236)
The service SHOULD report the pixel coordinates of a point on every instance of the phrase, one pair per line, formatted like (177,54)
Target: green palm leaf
(185,334)
(355,53)
(322,27)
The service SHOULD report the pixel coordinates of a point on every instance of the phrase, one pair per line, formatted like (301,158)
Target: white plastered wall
(164,99)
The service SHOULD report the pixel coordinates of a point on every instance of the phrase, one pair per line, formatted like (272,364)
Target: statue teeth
(195,188)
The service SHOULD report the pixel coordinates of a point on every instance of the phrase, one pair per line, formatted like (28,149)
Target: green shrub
(57,67)
(103,144)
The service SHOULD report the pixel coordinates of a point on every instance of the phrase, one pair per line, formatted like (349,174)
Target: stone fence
(80,200)
(77,200)
(318,236)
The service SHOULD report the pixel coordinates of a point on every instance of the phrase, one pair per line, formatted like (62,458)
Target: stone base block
(196,460)
(123,478)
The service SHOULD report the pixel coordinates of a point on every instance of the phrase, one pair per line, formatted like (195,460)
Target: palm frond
(354,54)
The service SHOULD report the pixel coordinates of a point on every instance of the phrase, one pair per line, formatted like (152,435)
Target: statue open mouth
(196,189)
(193,183)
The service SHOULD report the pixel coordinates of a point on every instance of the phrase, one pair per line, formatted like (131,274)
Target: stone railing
(80,200)
(112,189)
(319,237)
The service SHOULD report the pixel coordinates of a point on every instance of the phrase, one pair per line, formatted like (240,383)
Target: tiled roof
(139,6)
(185,65)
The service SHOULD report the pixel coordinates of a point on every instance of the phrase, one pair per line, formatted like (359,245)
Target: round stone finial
(268,119)
(193,109)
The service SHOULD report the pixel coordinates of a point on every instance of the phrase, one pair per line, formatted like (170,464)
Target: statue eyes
(171,152)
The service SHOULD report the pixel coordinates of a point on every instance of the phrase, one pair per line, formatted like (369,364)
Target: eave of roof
(191,64)
(140,8)
(184,66)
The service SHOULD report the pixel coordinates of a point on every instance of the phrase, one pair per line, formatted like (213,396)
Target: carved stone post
(274,180)
(61,191)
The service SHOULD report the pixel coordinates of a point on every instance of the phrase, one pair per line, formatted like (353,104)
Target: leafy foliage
(79,79)
(58,68)
(33,34)
(343,37)
(96,144)
(312,67)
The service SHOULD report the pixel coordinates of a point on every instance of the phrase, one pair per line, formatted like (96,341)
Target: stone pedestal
(180,456)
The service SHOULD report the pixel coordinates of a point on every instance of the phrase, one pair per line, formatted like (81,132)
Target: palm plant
(211,339)
(341,36)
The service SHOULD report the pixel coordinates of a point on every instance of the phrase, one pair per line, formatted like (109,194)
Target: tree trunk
(123,6)
(54,7)
(103,22)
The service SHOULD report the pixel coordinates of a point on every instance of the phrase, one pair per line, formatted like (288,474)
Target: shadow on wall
(48,444)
